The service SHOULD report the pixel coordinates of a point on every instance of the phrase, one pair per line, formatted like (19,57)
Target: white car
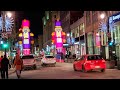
(48,60)
(29,61)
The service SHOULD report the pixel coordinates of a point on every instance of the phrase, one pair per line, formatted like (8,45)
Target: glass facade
(89,42)
(116,35)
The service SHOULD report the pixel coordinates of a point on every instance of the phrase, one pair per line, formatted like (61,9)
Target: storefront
(79,46)
(114,27)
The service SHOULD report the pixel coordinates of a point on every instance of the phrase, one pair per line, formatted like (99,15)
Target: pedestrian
(18,63)
(0,65)
(5,65)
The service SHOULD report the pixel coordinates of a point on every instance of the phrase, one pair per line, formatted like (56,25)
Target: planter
(110,64)
(118,65)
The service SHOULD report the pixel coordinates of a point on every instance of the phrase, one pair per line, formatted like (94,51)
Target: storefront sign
(114,18)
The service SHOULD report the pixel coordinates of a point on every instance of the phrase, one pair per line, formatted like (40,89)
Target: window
(28,57)
(94,57)
(82,58)
(49,57)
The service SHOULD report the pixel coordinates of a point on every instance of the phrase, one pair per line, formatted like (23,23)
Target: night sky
(35,18)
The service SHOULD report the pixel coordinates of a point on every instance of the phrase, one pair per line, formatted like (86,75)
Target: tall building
(69,17)
(48,26)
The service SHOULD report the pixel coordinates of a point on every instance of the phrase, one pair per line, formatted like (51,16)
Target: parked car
(48,60)
(29,61)
(89,63)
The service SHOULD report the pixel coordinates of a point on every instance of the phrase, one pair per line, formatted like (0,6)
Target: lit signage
(114,18)
(26,41)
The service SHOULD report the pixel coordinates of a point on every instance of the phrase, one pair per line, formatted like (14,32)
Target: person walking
(5,65)
(0,65)
(18,63)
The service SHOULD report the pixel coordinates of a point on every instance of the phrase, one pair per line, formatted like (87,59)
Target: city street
(65,71)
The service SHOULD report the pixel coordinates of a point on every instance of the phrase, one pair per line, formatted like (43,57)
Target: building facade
(48,27)
(89,30)
(78,33)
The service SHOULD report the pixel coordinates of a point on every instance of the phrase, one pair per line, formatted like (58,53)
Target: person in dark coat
(4,67)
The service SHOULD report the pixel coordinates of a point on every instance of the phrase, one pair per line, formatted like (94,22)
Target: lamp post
(102,17)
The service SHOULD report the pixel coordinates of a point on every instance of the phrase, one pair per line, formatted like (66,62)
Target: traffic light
(5,45)
(111,43)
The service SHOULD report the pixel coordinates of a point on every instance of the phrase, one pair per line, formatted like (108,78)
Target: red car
(89,63)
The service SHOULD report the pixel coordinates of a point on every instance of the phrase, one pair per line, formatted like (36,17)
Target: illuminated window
(26,41)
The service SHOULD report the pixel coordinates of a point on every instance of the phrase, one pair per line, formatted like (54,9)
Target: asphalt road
(65,71)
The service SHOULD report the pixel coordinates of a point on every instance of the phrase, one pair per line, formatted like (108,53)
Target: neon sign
(114,18)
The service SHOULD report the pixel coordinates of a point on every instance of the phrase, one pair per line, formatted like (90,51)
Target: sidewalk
(69,60)
(11,70)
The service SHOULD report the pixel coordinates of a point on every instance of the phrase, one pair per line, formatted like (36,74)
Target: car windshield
(28,57)
(49,57)
(94,57)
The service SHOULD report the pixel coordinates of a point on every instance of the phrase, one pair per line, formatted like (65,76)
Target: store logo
(114,18)
(110,20)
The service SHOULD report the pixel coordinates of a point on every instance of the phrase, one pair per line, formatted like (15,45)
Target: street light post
(102,17)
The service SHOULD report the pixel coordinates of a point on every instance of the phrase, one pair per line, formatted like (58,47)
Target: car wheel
(103,70)
(74,68)
(43,64)
(53,65)
(34,67)
(83,69)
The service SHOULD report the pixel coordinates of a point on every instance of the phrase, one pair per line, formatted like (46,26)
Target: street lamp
(68,34)
(102,17)
(9,14)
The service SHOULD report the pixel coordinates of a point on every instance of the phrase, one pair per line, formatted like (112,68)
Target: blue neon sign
(114,18)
